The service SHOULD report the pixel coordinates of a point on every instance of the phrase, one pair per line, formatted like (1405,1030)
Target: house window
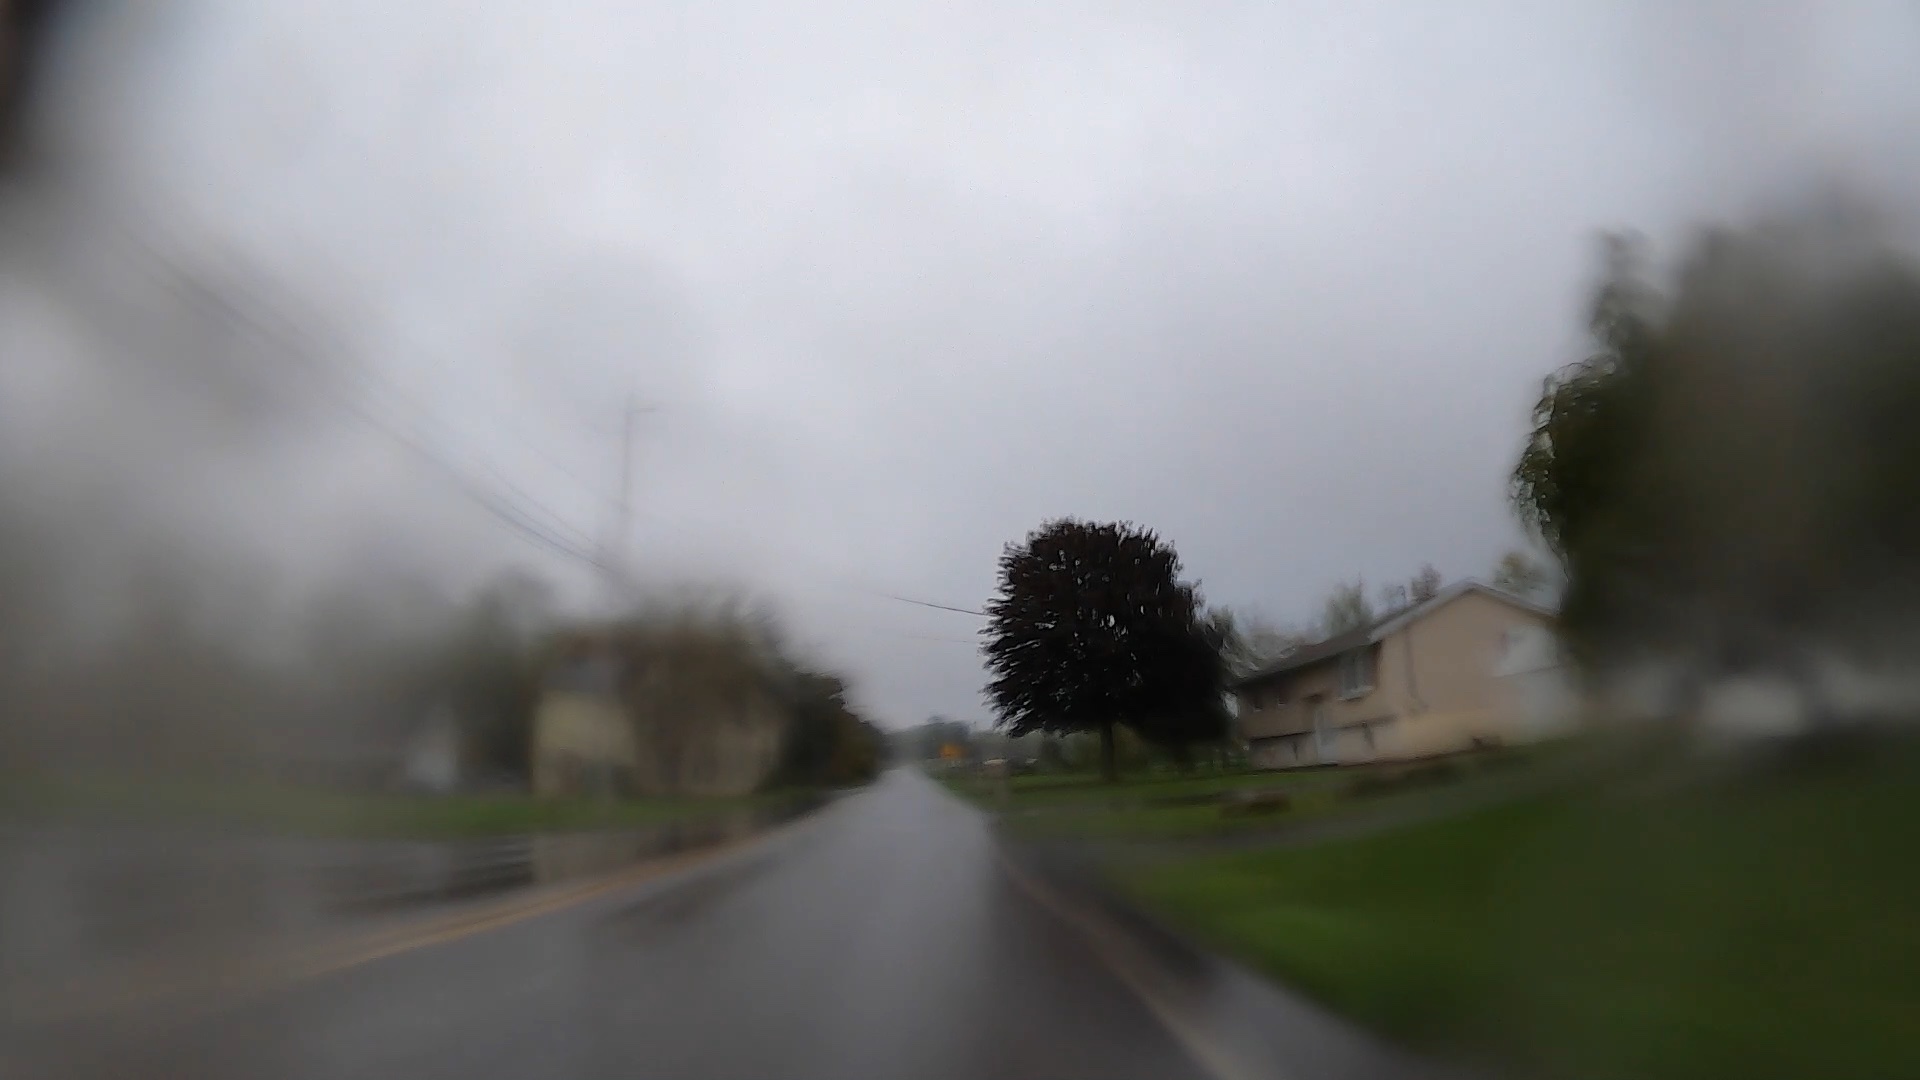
(1356,672)
(1271,696)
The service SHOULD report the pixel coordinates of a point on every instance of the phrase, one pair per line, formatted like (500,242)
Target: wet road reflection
(883,937)
(880,939)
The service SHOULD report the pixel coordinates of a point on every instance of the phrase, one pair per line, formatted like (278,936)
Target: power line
(555,534)
(571,542)
(502,417)
(845,582)
(229,296)
(528,514)
(501,507)
(290,334)
(931,604)
(614,550)
(136,227)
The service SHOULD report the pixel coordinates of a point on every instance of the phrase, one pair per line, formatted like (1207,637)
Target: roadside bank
(1752,923)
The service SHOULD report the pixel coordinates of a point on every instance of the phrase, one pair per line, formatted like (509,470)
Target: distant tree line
(924,742)
(195,676)
(828,743)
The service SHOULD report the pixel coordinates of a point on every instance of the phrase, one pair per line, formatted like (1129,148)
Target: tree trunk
(1109,759)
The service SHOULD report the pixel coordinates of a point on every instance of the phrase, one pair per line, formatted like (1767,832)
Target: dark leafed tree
(1572,474)
(826,741)
(1583,482)
(1729,476)
(818,702)
(1092,628)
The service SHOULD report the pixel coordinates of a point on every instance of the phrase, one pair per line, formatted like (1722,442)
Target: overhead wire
(848,583)
(288,338)
(934,606)
(248,306)
(501,417)
(253,312)
(516,508)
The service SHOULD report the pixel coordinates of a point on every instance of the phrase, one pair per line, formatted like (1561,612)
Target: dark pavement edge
(1237,1023)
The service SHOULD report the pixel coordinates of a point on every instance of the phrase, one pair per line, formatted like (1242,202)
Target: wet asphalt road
(879,939)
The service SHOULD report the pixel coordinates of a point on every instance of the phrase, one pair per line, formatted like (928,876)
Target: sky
(898,283)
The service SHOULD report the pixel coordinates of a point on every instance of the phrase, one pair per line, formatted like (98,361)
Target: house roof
(1310,654)
(1380,628)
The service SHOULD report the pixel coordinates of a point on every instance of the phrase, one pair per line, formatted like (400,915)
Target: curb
(1234,1022)
(1077,881)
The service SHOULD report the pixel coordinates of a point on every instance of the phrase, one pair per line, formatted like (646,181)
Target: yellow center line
(480,923)
(155,981)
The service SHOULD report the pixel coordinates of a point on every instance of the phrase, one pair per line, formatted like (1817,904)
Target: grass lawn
(1066,790)
(323,812)
(1308,802)
(1079,805)
(1751,929)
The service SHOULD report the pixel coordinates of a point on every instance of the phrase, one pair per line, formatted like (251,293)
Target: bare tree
(1519,574)
(1425,584)
(1346,608)
(1247,643)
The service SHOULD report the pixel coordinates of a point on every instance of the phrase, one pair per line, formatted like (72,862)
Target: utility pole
(615,564)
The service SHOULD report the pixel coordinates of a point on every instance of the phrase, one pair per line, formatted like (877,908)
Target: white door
(1324,737)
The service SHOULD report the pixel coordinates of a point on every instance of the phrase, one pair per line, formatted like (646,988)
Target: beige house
(1420,681)
(583,742)
(661,715)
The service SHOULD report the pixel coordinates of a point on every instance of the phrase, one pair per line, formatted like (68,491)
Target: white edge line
(1104,944)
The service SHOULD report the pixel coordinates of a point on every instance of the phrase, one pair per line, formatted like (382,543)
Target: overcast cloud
(1277,279)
